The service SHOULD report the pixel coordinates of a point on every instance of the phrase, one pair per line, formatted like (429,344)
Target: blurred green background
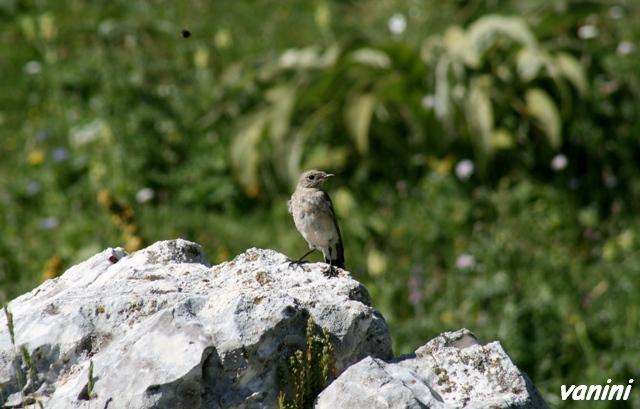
(487,154)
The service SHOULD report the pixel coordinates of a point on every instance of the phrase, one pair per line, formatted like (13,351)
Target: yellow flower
(52,268)
(36,157)
(223,38)
(446,317)
(222,254)
(47,26)
(201,57)
(441,166)
(376,262)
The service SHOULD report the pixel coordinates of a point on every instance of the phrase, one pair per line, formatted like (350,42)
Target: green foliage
(474,70)
(486,154)
(28,363)
(522,267)
(10,327)
(309,371)
(25,356)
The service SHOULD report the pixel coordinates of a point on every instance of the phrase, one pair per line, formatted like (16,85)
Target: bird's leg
(332,271)
(299,261)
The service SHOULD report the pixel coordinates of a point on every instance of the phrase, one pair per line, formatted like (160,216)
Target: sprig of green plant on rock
(309,371)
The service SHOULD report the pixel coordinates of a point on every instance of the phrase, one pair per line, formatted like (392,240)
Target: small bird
(315,219)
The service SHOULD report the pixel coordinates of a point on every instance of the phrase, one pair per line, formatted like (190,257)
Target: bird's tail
(337,255)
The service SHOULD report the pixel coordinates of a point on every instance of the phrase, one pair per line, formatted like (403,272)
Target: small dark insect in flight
(186,33)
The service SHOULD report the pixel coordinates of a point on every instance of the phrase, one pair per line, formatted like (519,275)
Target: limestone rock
(451,371)
(164,329)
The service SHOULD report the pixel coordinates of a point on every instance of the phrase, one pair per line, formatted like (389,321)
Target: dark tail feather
(337,254)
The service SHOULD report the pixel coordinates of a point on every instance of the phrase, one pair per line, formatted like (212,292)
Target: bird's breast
(314,222)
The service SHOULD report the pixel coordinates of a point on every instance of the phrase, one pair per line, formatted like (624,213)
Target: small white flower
(428,101)
(85,134)
(144,195)
(465,262)
(625,48)
(559,162)
(397,24)
(464,169)
(588,31)
(33,68)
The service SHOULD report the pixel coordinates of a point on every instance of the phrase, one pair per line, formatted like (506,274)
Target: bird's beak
(328,175)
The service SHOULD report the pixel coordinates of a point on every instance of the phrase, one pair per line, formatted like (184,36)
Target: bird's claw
(332,272)
(295,263)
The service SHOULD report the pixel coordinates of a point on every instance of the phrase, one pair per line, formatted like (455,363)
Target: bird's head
(313,178)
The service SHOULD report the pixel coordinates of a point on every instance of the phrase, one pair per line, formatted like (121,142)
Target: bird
(315,219)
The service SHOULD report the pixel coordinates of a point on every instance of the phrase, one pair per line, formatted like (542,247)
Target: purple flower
(33,187)
(60,154)
(49,223)
(415,290)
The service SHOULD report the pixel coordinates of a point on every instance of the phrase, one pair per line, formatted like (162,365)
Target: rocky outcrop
(450,371)
(162,329)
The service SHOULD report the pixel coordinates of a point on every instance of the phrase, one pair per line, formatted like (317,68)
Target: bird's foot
(296,263)
(332,272)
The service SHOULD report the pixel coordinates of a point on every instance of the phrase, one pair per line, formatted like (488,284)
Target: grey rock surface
(164,329)
(451,371)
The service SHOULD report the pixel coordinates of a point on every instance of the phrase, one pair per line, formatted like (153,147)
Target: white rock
(165,330)
(451,371)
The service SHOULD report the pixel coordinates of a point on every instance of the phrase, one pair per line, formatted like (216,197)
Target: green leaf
(542,108)
(282,101)
(458,45)
(487,30)
(571,69)
(443,88)
(529,62)
(479,112)
(358,118)
(308,57)
(502,139)
(244,151)
(325,157)
(371,57)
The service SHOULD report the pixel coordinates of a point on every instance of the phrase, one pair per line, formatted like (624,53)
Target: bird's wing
(340,246)
(289,206)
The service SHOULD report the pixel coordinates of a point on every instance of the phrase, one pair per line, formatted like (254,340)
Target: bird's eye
(311,177)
